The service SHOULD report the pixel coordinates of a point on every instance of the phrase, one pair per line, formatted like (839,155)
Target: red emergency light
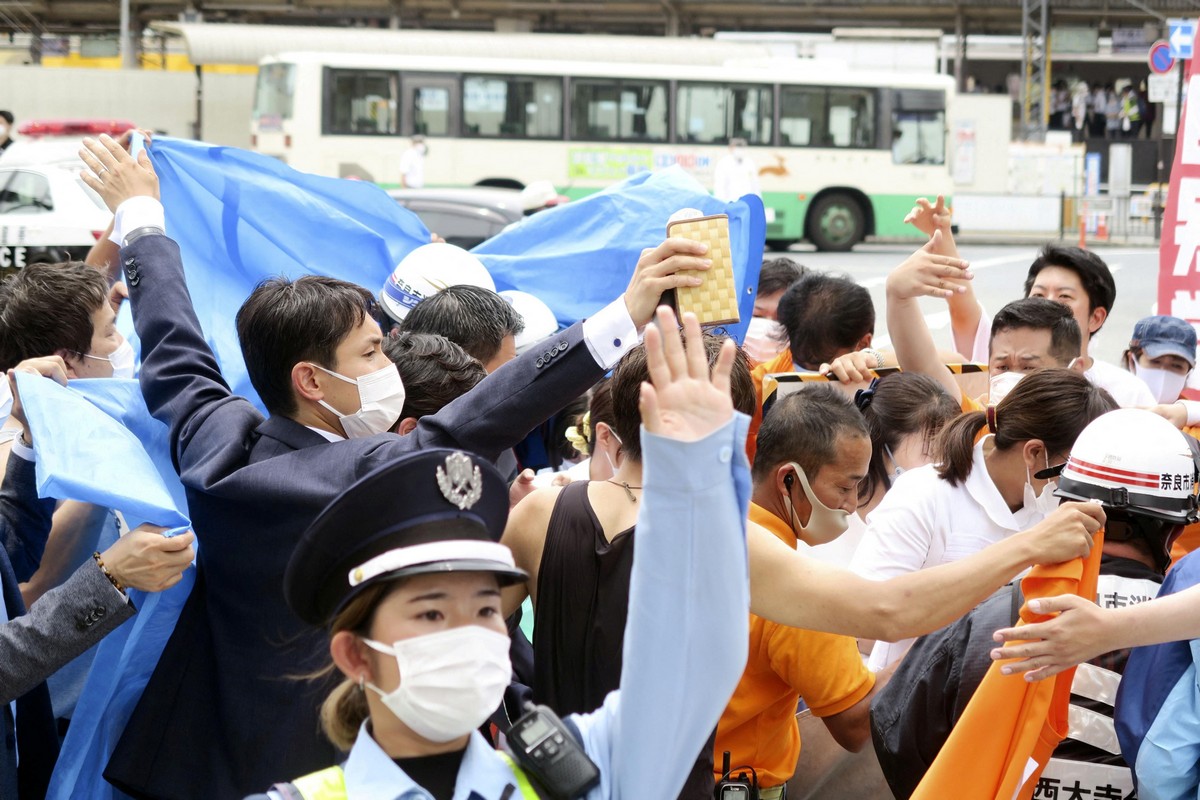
(74,127)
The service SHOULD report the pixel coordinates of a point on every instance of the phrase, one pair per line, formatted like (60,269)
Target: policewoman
(405,568)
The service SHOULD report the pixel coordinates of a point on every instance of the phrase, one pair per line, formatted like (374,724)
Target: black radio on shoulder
(549,750)
(742,787)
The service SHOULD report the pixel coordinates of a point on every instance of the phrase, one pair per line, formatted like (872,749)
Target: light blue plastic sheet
(240,217)
(95,441)
(579,256)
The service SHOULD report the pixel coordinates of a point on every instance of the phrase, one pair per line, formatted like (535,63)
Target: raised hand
(927,274)
(657,271)
(114,174)
(682,401)
(928,217)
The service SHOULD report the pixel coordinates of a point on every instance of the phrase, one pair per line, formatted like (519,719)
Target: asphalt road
(999,278)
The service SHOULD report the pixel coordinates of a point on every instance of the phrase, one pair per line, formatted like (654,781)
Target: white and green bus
(840,154)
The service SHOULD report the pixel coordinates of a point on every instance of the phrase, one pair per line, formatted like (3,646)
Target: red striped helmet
(1136,462)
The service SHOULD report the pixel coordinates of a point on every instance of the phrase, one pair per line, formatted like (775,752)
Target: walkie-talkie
(547,749)
(740,788)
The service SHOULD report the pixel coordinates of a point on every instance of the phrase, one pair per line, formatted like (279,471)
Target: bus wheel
(836,223)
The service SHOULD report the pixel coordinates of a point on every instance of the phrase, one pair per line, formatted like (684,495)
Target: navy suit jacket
(24,525)
(224,714)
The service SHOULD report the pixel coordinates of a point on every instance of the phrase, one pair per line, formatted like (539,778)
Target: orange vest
(1008,730)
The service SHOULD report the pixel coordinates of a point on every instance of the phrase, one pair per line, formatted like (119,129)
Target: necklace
(628,489)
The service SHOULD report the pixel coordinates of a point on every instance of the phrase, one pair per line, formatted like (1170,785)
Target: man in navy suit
(224,713)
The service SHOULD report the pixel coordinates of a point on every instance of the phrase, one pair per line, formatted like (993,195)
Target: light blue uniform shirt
(685,639)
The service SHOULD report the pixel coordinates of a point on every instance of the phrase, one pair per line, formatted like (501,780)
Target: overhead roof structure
(653,17)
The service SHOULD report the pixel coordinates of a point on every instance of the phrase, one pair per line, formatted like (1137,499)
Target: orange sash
(1010,727)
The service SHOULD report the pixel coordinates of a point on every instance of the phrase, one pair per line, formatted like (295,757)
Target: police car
(47,213)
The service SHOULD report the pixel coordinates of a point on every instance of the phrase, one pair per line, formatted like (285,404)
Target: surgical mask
(121,359)
(450,681)
(897,470)
(5,399)
(1044,503)
(607,457)
(1166,386)
(1000,385)
(764,339)
(824,523)
(380,397)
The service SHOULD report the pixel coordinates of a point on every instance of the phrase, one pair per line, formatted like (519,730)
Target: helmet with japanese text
(540,321)
(426,271)
(1143,470)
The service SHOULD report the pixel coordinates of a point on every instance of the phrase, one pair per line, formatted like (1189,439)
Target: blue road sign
(1181,36)
(1160,59)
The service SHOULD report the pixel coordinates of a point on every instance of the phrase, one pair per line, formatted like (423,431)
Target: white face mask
(121,359)
(897,470)
(1000,385)
(450,681)
(1166,386)
(381,399)
(764,340)
(604,450)
(824,523)
(1044,503)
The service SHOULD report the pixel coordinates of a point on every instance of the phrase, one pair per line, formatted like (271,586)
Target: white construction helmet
(1142,469)
(426,271)
(540,321)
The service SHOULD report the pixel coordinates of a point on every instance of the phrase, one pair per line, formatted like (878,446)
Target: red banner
(1178,270)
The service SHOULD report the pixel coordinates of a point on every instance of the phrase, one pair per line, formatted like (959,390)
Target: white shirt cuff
(134,213)
(1193,411)
(21,451)
(610,333)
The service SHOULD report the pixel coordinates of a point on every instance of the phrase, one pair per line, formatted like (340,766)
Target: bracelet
(873,352)
(21,440)
(111,578)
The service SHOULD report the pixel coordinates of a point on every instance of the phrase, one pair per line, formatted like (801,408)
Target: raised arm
(181,379)
(792,590)
(688,627)
(923,274)
(965,311)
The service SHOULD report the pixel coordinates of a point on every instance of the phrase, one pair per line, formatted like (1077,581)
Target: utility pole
(1035,64)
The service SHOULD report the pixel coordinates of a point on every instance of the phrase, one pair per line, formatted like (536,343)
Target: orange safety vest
(1009,728)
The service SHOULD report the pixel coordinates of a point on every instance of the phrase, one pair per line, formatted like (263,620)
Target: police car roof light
(74,127)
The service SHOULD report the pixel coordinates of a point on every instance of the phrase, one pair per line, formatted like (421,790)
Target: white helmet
(426,271)
(1142,469)
(540,321)
(1133,459)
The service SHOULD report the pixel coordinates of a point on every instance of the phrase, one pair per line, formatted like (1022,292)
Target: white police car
(47,213)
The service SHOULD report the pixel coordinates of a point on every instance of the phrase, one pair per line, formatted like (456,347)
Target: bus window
(851,118)
(707,113)
(801,116)
(618,110)
(919,137)
(431,111)
(273,95)
(527,107)
(361,102)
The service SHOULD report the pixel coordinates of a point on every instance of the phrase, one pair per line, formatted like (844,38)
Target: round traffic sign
(1160,58)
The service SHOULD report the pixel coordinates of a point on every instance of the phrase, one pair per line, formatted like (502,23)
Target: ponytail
(343,713)
(956,444)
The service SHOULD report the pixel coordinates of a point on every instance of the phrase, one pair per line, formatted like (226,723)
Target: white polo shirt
(924,521)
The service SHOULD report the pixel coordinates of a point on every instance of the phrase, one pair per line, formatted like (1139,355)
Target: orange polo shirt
(758,727)
(780,363)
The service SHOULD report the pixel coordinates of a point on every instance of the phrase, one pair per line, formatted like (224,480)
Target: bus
(841,155)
